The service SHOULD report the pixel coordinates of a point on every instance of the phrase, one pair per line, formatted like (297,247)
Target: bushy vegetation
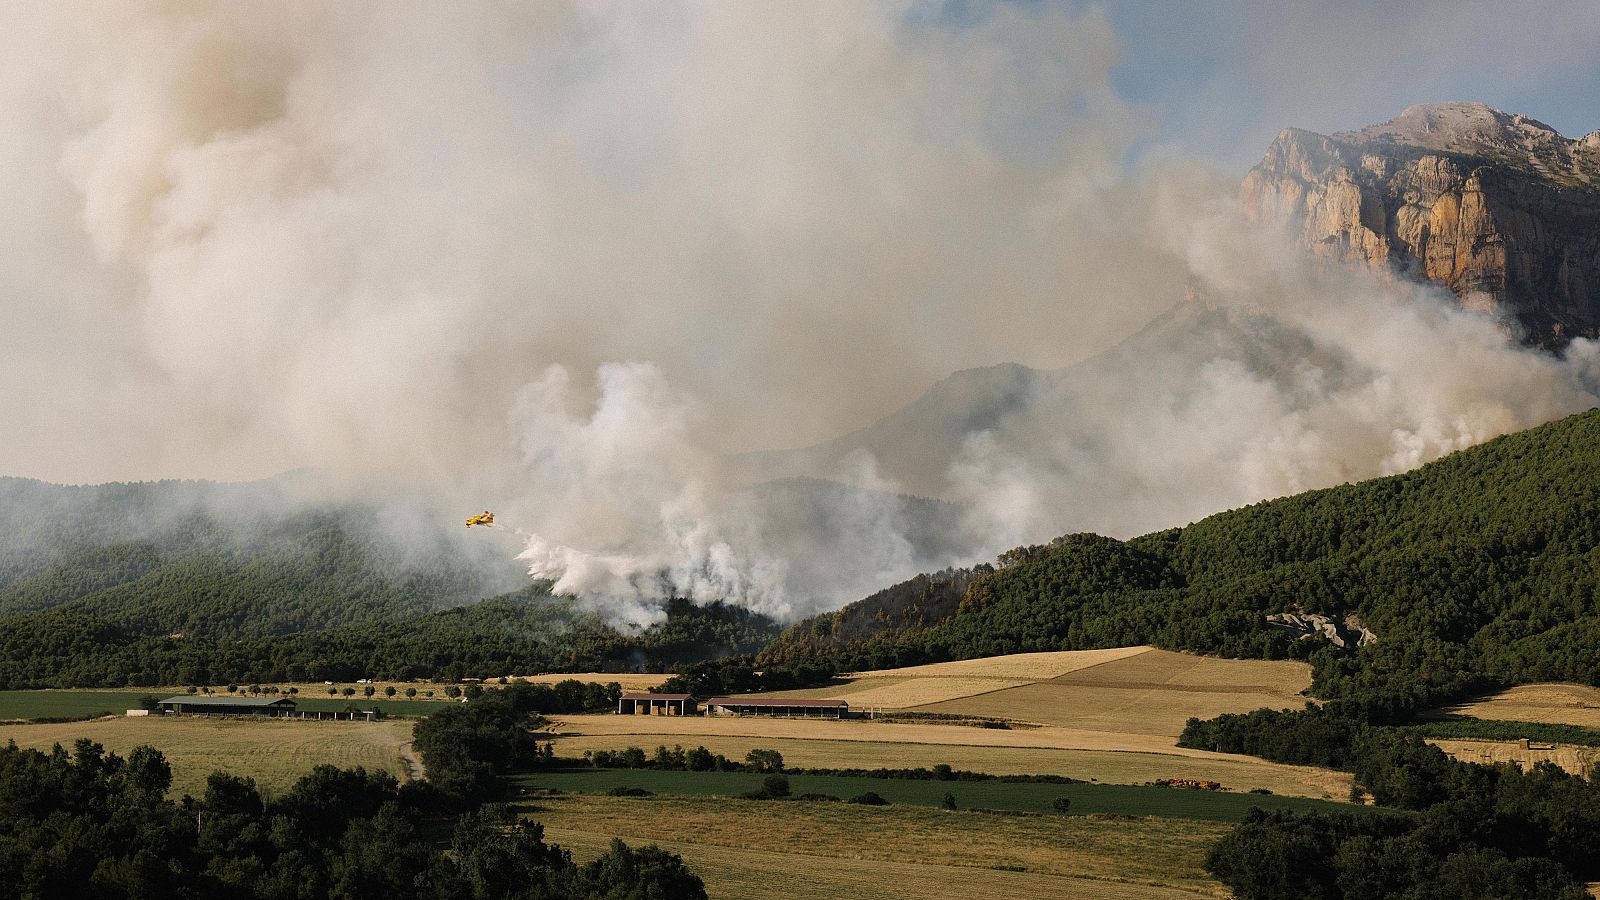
(92,824)
(468,748)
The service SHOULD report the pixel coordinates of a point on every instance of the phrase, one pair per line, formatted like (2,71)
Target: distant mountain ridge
(1499,208)
(918,445)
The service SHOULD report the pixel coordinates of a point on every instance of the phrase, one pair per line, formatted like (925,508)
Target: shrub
(1062,805)
(764,760)
(949,801)
(870,798)
(775,786)
(629,792)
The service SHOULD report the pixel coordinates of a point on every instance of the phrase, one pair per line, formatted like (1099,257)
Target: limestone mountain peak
(1498,207)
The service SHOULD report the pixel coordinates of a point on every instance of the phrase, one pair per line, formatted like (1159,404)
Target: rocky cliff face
(1499,208)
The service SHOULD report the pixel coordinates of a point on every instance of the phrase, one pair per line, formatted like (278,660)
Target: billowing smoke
(570,261)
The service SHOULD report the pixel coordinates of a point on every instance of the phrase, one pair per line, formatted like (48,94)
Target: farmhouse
(645,703)
(200,705)
(752,706)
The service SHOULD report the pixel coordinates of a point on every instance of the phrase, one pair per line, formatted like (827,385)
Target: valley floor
(1106,715)
(800,851)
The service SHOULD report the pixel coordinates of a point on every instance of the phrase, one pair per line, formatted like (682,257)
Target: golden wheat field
(1025,666)
(1561,704)
(1152,692)
(1138,690)
(792,851)
(274,753)
(1110,766)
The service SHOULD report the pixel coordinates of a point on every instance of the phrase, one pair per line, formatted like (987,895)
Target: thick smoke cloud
(563,259)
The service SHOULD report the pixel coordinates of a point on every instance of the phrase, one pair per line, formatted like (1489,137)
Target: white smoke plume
(565,259)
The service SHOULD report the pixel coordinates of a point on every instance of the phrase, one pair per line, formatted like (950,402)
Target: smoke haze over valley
(596,267)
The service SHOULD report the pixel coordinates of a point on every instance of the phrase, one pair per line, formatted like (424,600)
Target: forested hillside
(237,560)
(1482,568)
(194,582)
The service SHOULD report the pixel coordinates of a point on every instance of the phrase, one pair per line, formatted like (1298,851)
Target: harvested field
(918,685)
(1561,704)
(905,692)
(1114,767)
(887,740)
(1153,692)
(1575,759)
(1137,690)
(273,752)
(1026,666)
(793,851)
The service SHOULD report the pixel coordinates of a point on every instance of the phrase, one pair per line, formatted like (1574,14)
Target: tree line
(95,825)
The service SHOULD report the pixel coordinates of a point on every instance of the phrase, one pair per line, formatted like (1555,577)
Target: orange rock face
(1500,209)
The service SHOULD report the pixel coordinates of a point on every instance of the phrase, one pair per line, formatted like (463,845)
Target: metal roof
(204,700)
(647,695)
(792,702)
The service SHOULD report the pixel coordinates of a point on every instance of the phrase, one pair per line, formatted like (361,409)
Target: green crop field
(1123,799)
(32,705)
(29,705)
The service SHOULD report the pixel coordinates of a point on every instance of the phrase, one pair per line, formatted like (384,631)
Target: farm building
(201,705)
(752,706)
(278,708)
(645,703)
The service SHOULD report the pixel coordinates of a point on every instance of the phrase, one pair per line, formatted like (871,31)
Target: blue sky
(1220,77)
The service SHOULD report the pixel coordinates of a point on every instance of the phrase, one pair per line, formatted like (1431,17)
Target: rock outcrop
(1499,208)
(1339,631)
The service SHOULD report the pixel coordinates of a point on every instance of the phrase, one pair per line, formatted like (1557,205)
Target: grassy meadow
(763,850)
